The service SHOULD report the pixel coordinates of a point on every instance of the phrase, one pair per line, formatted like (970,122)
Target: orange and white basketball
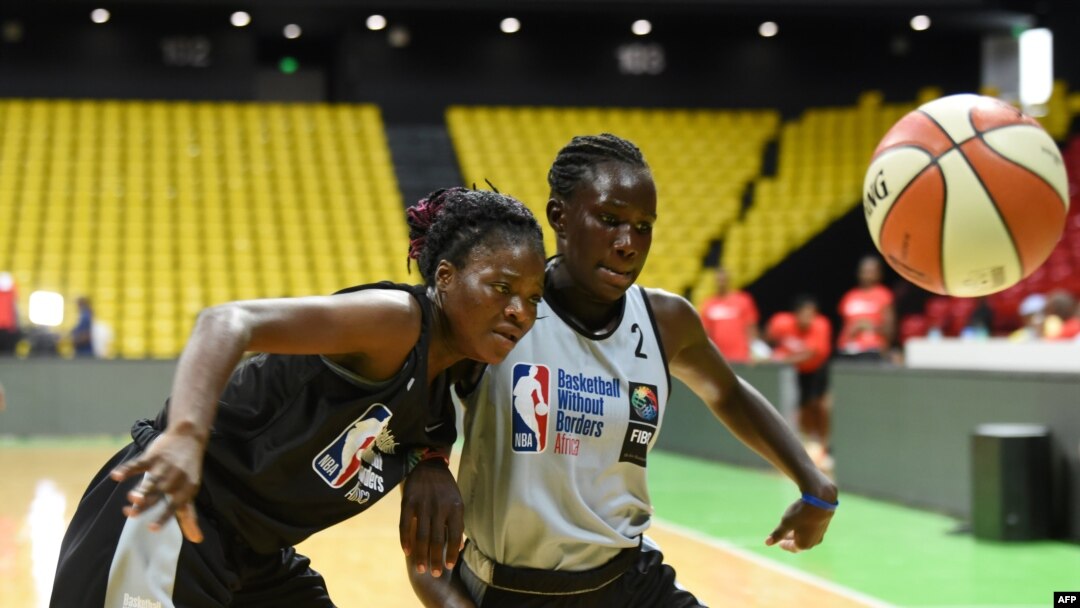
(966,196)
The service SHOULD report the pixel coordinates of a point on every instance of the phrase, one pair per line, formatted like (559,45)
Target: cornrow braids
(449,223)
(584,153)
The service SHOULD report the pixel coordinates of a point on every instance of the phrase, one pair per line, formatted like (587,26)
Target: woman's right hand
(173,471)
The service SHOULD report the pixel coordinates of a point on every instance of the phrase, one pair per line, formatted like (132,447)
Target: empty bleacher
(822,159)
(157,209)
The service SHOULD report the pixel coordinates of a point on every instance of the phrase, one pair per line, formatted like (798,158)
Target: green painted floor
(899,555)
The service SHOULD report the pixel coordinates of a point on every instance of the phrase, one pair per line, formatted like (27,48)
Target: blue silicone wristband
(810,499)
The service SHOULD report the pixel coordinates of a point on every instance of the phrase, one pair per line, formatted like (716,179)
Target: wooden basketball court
(360,558)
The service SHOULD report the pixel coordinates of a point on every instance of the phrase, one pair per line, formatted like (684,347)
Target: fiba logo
(531,394)
(643,399)
(643,424)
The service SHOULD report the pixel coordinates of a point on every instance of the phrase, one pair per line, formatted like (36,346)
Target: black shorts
(647,583)
(107,559)
(9,339)
(813,384)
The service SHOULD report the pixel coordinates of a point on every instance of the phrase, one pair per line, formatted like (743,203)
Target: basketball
(966,196)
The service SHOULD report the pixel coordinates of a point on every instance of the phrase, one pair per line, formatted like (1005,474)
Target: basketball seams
(1012,162)
(933,163)
(927,273)
(971,121)
(974,241)
(941,237)
(942,128)
(1009,126)
(997,209)
(905,146)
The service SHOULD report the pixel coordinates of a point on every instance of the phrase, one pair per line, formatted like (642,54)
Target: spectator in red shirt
(731,320)
(9,316)
(869,321)
(803,338)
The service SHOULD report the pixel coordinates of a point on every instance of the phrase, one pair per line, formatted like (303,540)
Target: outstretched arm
(696,361)
(357,323)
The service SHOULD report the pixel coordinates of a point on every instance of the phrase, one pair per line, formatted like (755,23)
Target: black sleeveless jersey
(300,444)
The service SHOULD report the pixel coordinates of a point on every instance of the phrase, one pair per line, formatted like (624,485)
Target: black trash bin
(1011,482)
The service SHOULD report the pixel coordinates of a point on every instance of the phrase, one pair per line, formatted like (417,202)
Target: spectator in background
(3,399)
(1061,321)
(82,337)
(803,338)
(731,320)
(867,314)
(978,324)
(1032,310)
(9,316)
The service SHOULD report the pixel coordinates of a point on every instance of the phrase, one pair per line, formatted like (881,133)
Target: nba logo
(531,399)
(340,461)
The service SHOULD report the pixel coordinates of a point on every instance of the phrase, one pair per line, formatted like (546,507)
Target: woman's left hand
(432,525)
(802,527)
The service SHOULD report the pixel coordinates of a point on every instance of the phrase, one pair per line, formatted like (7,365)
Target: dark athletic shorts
(645,582)
(107,559)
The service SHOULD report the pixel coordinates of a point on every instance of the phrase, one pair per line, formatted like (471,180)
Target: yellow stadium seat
(163,208)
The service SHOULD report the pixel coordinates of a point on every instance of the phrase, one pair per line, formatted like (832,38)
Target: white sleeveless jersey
(553,469)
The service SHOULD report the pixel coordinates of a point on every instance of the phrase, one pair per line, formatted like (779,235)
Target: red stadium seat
(937,312)
(959,313)
(1005,307)
(1073,226)
(1059,271)
(913,326)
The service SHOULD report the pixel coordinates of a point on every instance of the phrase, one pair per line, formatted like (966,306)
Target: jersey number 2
(636,329)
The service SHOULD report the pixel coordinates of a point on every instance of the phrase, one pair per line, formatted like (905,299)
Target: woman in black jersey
(204,506)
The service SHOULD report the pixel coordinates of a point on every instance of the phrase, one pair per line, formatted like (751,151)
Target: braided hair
(584,152)
(449,223)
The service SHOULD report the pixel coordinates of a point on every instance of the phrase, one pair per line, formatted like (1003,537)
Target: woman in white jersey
(555,513)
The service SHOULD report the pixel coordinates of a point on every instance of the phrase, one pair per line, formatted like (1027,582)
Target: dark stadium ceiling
(584,4)
(322,17)
(774,6)
(992,12)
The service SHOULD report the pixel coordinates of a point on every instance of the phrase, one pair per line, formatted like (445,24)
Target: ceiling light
(376,22)
(510,25)
(240,19)
(920,23)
